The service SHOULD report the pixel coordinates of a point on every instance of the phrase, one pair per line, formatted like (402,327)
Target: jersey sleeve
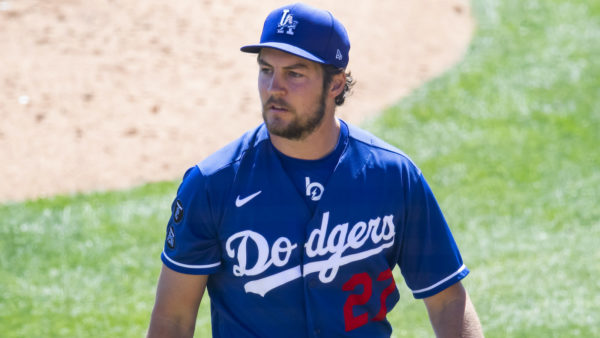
(191,244)
(429,259)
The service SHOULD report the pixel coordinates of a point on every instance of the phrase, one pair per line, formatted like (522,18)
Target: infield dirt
(98,95)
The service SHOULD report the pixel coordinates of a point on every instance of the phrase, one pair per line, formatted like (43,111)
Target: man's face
(291,92)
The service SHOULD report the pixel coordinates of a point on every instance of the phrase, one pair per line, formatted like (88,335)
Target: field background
(104,95)
(508,140)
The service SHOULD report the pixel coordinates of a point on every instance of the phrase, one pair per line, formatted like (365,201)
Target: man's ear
(337,84)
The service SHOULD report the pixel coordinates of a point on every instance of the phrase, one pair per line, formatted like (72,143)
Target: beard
(300,126)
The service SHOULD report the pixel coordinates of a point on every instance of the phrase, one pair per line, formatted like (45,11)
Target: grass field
(508,140)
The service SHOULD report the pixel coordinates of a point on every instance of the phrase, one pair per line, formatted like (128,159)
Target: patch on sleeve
(177,211)
(170,237)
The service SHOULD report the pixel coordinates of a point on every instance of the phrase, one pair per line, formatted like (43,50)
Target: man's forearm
(176,307)
(453,315)
(458,319)
(471,323)
(161,326)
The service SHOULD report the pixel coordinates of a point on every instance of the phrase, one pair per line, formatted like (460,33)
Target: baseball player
(295,227)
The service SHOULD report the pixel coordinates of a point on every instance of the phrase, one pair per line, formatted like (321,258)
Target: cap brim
(284,47)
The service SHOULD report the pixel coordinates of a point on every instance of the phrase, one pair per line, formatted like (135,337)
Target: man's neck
(317,145)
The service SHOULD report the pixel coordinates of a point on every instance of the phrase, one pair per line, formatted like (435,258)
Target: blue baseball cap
(307,32)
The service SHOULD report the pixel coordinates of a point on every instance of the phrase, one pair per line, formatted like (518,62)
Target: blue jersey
(278,268)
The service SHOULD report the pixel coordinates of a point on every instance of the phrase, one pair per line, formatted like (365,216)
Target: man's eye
(294,74)
(265,70)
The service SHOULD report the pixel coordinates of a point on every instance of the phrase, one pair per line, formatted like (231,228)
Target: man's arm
(178,297)
(452,314)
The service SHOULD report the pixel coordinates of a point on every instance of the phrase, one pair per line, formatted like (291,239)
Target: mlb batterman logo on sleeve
(307,32)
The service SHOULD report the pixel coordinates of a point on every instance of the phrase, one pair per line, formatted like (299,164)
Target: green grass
(82,266)
(508,140)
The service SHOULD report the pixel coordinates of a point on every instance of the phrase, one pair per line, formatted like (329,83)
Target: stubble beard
(297,128)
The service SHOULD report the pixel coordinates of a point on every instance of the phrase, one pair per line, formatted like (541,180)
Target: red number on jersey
(351,321)
(385,275)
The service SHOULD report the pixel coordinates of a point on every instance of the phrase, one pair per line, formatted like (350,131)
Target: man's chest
(269,237)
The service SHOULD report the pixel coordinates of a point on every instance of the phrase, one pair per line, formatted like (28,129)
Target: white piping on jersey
(266,284)
(442,281)
(190,266)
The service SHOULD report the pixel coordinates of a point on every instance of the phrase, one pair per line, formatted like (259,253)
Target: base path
(102,95)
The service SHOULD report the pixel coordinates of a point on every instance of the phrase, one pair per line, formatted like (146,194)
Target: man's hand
(452,314)
(178,297)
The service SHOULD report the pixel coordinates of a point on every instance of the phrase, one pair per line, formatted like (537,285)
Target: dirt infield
(98,95)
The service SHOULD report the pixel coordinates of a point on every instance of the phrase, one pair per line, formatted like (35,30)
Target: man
(295,227)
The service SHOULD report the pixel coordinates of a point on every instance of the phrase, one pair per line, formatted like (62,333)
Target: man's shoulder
(376,145)
(233,152)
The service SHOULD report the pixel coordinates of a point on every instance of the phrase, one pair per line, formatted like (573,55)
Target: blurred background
(102,94)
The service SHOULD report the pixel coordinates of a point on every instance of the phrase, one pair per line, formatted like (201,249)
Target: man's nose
(276,85)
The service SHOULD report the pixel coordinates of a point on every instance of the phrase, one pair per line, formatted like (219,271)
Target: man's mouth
(277,107)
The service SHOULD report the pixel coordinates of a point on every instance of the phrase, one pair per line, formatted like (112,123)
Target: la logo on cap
(322,38)
(287,21)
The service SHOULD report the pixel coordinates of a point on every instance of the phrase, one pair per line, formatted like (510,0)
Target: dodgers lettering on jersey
(279,268)
(321,243)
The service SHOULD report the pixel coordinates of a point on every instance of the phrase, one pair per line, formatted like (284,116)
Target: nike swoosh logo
(241,201)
